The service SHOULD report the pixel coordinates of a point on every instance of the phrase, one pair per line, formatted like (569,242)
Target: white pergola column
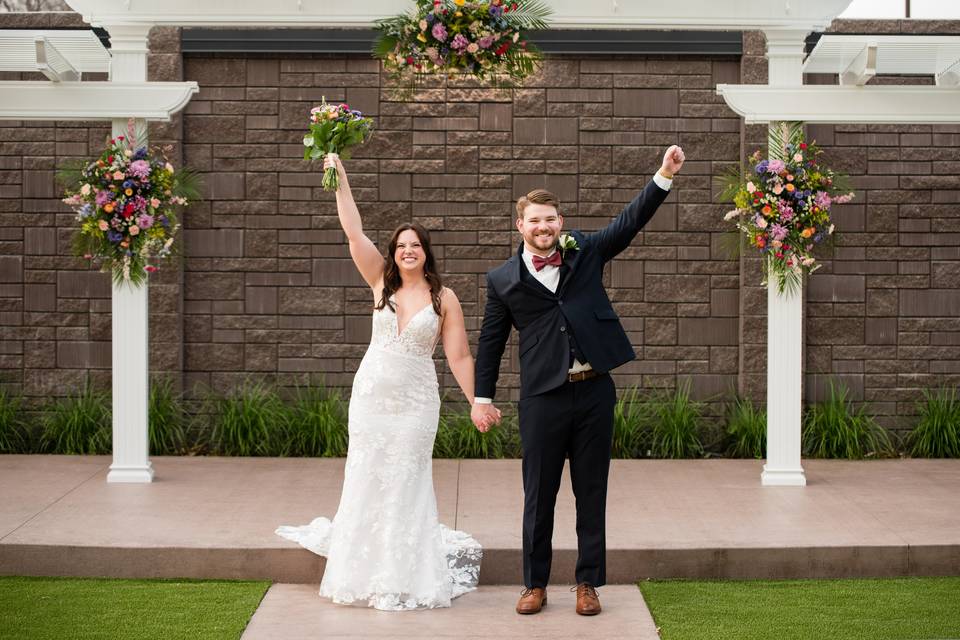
(784,312)
(131,380)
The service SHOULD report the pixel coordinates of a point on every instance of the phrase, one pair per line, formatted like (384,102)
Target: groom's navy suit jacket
(544,319)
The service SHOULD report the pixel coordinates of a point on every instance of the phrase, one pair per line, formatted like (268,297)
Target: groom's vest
(546,320)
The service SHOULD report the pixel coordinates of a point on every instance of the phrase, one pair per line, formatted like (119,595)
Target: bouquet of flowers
(126,204)
(783,207)
(334,128)
(484,38)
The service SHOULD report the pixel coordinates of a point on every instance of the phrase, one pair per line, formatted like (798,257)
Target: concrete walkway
(215,517)
(296,612)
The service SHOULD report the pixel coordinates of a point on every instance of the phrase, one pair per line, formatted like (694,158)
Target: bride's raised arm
(365,255)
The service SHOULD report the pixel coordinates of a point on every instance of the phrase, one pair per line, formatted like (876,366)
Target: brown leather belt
(582,375)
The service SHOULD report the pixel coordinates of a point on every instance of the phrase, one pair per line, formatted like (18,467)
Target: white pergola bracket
(949,76)
(862,68)
(51,63)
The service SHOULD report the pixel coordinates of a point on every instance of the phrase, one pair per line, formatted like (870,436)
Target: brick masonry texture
(267,289)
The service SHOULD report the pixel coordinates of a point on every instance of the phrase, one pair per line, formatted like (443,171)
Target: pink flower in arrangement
(459,43)
(139,169)
(118,175)
(778,231)
(485,42)
(845,198)
(103,197)
(776,166)
(439,31)
(134,230)
(822,199)
(145,221)
(103,225)
(154,202)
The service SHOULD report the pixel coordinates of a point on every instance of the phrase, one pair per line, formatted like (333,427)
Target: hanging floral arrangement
(783,208)
(486,40)
(126,203)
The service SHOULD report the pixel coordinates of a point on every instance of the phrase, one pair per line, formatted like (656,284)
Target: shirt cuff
(479,400)
(663,183)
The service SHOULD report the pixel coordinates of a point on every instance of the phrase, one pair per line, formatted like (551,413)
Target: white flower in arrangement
(830,230)
(731,214)
(751,187)
(308,141)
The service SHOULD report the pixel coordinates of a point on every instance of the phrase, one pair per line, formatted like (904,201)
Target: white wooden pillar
(784,314)
(131,381)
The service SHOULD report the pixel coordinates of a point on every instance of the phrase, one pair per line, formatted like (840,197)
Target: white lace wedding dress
(385,547)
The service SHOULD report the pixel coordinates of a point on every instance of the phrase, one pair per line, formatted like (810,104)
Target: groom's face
(540,226)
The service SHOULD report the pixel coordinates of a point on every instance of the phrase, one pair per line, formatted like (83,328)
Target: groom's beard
(544,242)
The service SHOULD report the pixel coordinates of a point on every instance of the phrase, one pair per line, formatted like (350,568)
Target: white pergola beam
(51,63)
(26,100)
(862,68)
(567,14)
(842,105)
(949,76)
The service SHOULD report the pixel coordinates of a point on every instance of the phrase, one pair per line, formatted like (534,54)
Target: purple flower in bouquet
(459,43)
(114,236)
(139,169)
(439,31)
(145,221)
(496,10)
(822,199)
(485,42)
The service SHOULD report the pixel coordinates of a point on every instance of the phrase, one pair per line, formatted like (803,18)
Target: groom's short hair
(537,196)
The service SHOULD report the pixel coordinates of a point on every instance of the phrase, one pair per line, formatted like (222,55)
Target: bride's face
(409,255)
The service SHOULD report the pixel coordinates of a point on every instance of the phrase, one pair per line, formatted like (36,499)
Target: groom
(570,339)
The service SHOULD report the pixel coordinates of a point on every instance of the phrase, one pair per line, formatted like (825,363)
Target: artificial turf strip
(867,609)
(88,608)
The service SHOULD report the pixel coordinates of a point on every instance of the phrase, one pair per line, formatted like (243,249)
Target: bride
(385,547)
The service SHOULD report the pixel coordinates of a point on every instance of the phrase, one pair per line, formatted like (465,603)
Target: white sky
(922,9)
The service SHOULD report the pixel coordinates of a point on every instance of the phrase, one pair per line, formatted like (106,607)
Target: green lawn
(87,608)
(883,609)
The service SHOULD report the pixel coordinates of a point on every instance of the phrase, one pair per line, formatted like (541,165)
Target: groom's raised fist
(672,161)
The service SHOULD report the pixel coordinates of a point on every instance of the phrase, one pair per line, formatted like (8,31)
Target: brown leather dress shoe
(588,602)
(532,600)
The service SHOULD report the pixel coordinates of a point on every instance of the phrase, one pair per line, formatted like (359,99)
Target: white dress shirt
(549,276)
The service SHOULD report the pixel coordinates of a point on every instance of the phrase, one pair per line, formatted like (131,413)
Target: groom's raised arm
(618,235)
(493,339)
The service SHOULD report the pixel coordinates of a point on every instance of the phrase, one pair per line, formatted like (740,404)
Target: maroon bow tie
(539,263)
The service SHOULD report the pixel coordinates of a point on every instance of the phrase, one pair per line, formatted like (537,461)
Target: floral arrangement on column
(126,203)
(485,39)
(783,208)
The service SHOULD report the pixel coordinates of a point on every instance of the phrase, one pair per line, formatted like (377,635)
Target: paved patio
(214,518)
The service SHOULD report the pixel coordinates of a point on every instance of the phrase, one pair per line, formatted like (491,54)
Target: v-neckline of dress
(396,316)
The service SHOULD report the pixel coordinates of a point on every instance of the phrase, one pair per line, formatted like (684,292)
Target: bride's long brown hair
(391,272)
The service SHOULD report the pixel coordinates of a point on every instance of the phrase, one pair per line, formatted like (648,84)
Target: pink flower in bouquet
(103,225)
(822,199)
(776,166)
(439,31)
(154,202)
(103,197)
(761,222)
(134,230)
(85,189)
(778,231)
(845,198)
(118,175)
(485,42)
(145,221)
(472,47)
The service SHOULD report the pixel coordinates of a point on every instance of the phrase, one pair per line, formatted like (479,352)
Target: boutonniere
(566,242)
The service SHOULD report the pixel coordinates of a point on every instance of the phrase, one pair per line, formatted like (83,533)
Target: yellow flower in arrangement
(128,192)
(421,37)
(459,3)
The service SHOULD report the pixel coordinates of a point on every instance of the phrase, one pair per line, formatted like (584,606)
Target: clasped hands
(484,416)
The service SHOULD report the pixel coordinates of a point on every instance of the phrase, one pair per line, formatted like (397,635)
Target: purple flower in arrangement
(485,42)
(786,211)
(496,10)
(145,221)
(164,221)
(140,154)
(139,203)
(139,169)
(430,18)
(459,43)
(822,199)
(114,236)
(778,231)
(761,166)
(103,197)
(439,31)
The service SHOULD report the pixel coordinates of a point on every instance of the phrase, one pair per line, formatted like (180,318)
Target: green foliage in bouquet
(485,39)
